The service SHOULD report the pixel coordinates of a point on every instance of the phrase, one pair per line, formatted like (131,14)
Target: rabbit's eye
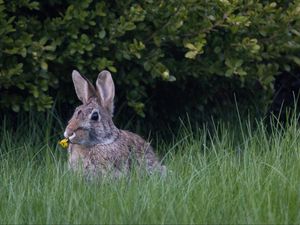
(95,116)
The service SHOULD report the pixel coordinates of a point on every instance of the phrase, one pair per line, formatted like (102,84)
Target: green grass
(240,173)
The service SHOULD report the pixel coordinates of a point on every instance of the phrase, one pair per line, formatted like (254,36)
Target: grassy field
(230,173)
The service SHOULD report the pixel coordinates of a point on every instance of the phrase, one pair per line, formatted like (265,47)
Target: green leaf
(44,65)
(112,69)
(190,46)
(16,108)
(191,54)
(229,73)
(102,34)
(172,78)
(296,60)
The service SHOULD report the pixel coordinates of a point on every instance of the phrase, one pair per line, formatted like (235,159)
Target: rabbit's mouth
(72,136)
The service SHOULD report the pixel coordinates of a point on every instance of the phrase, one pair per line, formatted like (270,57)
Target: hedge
(218,44)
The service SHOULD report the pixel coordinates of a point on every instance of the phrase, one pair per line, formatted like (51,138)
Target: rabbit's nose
(66,134)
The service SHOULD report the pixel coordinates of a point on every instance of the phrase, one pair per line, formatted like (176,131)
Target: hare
(97,146)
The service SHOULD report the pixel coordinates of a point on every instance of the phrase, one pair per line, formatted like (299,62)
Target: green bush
(218,45)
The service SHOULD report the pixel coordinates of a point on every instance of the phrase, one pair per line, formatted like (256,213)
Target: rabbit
(97,146)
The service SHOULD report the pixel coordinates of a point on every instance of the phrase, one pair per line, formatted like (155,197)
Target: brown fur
(98,147)
(116,158)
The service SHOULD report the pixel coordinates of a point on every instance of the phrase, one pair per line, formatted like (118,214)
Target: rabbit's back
(140,149)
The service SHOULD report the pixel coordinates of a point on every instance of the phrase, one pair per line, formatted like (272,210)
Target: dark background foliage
(168,58)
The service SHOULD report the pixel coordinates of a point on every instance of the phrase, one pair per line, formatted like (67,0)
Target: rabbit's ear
(84,89)
(106,90)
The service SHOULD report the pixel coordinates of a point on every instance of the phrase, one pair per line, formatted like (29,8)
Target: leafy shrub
(220,45)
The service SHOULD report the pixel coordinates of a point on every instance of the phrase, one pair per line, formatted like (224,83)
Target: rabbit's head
(92,122)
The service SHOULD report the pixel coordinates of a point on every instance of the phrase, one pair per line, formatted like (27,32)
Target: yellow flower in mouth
(64,143)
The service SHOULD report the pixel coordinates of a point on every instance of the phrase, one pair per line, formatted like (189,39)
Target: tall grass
(242,172)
